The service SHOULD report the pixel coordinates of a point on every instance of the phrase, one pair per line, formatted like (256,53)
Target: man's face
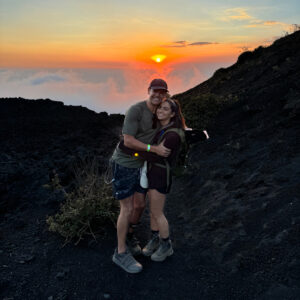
(157,96)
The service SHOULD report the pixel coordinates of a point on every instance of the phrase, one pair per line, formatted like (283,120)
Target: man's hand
(161,150)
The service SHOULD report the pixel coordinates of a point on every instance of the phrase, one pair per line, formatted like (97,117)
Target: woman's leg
(157,202)
(126,208)
(153,223)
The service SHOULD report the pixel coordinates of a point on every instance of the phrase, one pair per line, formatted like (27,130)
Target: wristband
(148,147)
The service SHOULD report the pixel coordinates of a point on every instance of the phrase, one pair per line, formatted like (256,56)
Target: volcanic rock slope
(238,204)
(40,137)
(234,215)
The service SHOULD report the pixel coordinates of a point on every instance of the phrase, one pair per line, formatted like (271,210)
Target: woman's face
(164,112)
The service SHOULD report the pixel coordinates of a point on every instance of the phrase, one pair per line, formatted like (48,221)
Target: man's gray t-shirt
(137,123)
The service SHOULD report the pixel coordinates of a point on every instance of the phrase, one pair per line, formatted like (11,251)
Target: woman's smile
(164,112)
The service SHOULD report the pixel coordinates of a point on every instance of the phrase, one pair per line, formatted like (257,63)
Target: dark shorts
(126,181)
(162,190)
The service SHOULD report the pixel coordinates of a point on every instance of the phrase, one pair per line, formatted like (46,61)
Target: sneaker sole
(128,271)
(145,253)
(162,258)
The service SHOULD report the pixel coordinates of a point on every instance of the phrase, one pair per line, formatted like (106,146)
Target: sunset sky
(102,54)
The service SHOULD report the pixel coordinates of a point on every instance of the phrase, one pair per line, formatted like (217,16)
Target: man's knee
(126,211)
(126,207)
(139,206)
(139,201)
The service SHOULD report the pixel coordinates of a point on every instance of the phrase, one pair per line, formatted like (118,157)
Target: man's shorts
(126,181)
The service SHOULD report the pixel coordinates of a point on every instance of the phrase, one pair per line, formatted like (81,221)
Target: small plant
(201,111)
(88,208)
(295,27)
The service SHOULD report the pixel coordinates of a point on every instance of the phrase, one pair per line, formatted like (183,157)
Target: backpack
(187,138)
(178,168)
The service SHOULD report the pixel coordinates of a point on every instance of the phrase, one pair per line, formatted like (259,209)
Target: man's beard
(155,99)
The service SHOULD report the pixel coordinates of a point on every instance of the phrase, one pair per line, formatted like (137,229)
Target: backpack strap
(166,164)
(179,131)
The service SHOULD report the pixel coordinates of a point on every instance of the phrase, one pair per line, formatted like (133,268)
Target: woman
(159,178)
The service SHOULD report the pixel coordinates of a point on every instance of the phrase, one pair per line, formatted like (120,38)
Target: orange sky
(79,33)
(98,53)
(75,56)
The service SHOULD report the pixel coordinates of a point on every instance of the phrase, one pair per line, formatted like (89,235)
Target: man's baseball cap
(158,84)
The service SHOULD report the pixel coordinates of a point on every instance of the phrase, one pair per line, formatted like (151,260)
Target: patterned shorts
(126,181)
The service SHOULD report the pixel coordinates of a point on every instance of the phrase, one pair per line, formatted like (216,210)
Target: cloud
(112,90)
(241,14)
(201,43)
(178,44)
(237,13)
(262,24)
(47,78)
(244,48)
(182,44)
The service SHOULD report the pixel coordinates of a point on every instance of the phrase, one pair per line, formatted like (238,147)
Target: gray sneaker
(127,262)
(151,246)
(133,245)
(164,250)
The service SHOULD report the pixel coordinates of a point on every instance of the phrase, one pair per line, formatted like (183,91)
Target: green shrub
(88,208)
(200,111)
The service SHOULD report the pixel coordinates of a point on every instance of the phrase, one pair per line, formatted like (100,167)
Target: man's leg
(122,257)
(123,189)
(126,208)
(139,204)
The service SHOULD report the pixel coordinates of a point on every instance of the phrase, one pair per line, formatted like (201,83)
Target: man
(138,134)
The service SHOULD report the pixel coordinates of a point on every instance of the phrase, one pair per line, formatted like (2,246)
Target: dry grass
(88,208)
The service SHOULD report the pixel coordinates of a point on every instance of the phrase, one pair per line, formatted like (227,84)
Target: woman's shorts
(126,181)
(163,190)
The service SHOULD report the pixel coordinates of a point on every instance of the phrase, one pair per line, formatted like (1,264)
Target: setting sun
(158,58)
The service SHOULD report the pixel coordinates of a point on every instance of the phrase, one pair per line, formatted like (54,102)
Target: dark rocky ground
(234,215)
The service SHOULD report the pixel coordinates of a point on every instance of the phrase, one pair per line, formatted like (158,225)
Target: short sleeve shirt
(137,123)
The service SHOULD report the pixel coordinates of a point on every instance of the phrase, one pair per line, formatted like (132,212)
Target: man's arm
(131,142)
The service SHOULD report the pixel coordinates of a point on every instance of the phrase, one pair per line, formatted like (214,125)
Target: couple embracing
(152,132)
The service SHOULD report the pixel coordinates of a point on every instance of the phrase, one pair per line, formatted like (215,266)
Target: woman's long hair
(178,119)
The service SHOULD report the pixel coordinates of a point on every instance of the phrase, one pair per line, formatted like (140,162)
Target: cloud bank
(183,44)
(106,89)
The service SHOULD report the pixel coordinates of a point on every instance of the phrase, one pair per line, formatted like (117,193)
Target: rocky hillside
(239,201)
(264,80)
(234,215)
(39,137)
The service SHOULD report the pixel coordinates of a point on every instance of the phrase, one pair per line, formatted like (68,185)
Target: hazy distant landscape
(112,89)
